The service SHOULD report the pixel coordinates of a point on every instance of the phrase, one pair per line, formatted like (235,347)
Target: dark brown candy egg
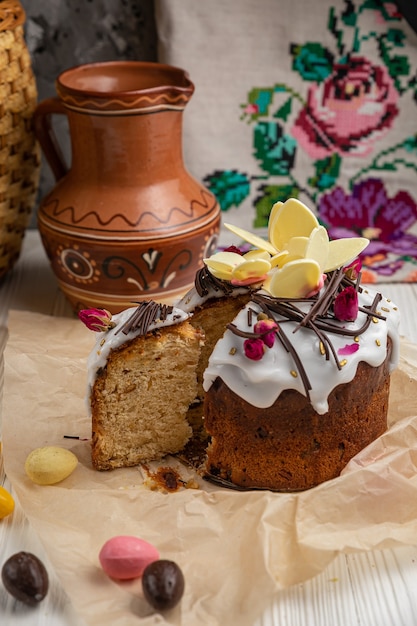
(25,578)
(163,584)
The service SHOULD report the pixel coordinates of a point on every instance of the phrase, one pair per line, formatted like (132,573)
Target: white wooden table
(363,589)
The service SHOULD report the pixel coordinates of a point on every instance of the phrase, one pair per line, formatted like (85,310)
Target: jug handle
(44,133)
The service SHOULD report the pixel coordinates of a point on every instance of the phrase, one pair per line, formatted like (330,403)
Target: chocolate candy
(163,584)
(25,578)
(125,557)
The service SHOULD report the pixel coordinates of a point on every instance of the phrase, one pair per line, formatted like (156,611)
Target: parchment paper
(236,549)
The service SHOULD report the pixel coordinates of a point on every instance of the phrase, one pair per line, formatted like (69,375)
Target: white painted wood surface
(362,589)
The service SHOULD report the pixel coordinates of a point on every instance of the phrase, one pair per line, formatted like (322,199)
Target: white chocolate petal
(343,251)
(292,219)
(297,247)
(256,254)
(251,269)
(278,260)
(272,216)
(256,241)
(229,259)
(222,274)
(318,246)
(296,279)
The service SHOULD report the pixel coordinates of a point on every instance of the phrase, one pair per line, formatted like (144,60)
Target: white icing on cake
(261,382)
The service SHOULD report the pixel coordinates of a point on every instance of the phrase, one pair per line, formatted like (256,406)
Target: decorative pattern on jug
(149,223)
(118,273)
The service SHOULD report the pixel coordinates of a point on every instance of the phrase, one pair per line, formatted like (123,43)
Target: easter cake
(281,350)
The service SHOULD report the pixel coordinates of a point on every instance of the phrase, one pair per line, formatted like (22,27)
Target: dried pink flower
(254,348)
(348,349)
(353,270)
(266,328)
(346,305)
(234,249)
(96,319)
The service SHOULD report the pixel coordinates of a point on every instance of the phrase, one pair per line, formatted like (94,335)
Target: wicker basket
(19,151)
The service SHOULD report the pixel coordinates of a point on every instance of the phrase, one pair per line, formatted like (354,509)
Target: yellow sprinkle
(384,308)
(378,343)
(102,342)
(388,299)
(375,320)
(294,374)
(356,339)
(322,350)
(395,308)
(343,363)
(232,351)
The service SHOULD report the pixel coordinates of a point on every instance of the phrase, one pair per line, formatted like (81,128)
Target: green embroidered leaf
(410,144)
(261,98)
(349,17)
(396,37)
(373,5)
(327,172)
(269,195)
(284,111)
(274,150)
(312,61)
(398,66)
(229,186)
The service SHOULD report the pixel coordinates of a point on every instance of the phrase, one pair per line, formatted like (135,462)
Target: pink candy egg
(125,557)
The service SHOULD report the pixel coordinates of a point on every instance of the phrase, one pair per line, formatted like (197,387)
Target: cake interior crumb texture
(134,418)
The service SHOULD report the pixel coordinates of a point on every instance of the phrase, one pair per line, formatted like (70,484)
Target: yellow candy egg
(6,503)
(50,465)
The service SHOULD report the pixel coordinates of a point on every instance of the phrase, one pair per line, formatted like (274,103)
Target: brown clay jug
(126,222)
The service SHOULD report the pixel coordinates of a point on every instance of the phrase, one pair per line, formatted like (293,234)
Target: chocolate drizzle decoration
(319,319)
(204,281)
(144,315)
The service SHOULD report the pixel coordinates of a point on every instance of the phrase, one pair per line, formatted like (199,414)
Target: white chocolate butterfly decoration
(294,260)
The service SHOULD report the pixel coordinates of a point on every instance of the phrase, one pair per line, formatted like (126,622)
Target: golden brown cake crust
(288,446)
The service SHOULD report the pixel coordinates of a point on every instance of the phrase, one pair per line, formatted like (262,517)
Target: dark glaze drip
(144,315)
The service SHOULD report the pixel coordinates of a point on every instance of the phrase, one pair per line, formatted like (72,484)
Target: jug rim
(154,79)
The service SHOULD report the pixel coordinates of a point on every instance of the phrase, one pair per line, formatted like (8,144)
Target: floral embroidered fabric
(332,121)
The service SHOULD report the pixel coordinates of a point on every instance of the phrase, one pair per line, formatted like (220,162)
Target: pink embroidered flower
(251,109)
(266,328)
(96,319)
(349,111)
(346,305)
(254,348)
(353,270)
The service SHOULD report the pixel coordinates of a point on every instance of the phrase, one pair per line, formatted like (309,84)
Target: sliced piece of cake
(142,381)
